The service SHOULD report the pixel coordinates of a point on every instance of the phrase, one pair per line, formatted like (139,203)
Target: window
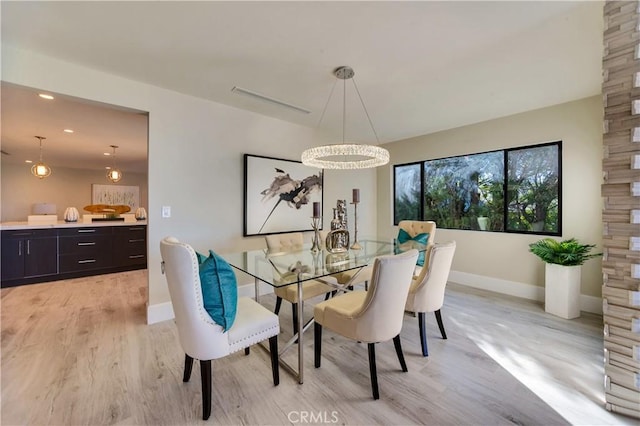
(512,190)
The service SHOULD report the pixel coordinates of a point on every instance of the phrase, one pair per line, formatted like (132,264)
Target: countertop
(7,226)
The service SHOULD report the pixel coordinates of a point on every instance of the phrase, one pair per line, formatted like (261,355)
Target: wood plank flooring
(78,352)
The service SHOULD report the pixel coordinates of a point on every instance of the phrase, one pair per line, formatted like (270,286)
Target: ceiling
(420,67)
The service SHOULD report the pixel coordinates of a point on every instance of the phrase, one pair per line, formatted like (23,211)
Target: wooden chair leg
(440,324)
(373,371)
(398,346)
(317,343)
(247,350)
(188,366)
(327,296)
(423,333)
(205,372)
(278,304)
(366,286)
(275,365)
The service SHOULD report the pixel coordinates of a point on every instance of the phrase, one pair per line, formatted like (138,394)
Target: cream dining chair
(200,337)
(278,243)
(426,293)
(370,316)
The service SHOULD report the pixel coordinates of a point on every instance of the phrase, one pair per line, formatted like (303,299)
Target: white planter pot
(562,290)
(483,223)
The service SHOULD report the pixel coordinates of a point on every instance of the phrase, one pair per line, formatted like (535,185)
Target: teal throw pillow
(403,237)
(219,289)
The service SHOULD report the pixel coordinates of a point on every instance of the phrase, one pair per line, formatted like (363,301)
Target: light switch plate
(166,211)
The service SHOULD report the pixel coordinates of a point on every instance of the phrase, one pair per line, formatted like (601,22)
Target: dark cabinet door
(41,256)
(12,258)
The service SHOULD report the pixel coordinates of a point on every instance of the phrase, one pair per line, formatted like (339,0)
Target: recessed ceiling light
(28,161)
(68,130)
(106,153)
(45,96)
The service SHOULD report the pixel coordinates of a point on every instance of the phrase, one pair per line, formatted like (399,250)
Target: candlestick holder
(356,245)
(315,224)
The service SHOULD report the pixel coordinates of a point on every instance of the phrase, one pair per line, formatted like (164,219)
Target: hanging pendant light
(114,174)
(346,155)
(40,169)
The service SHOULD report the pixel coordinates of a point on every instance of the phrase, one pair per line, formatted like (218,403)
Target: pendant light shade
(114,174)
(346,155)
(40,169)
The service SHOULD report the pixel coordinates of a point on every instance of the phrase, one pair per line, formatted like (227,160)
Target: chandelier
(114,174)
(40,169)
(346,156)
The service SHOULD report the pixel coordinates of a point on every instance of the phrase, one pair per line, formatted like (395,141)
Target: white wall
(499,261)
(64,188)
(196,152)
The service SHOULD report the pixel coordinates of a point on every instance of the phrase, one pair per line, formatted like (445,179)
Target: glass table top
(284,268)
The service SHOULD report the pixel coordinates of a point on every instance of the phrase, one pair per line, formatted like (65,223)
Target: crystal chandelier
(346,155)
(40,169)
(114,174)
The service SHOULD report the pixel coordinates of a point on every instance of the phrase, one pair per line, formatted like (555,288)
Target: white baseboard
(164,311)
(512,288)
(159,312)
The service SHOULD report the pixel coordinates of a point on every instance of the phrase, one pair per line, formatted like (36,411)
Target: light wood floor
(78,352)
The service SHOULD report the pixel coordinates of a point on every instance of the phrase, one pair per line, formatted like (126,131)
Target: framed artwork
(116,195)
(279,195)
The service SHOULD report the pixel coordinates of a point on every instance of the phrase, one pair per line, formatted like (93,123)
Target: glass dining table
(301,264)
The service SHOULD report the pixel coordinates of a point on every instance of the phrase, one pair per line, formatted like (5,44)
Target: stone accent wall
(621,213)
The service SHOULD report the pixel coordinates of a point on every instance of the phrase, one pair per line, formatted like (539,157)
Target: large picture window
(512,190)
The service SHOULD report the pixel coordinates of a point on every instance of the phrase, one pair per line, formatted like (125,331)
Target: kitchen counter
(6,226)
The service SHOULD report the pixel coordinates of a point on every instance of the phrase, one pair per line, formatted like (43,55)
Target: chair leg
(423,333)
(247,350)
(373,371)
(366,286)
(317,343)
(294,314)
(440,324)
(278,304)
(205,372)
(398,346)
(327,296)
(188,366)
(275,365)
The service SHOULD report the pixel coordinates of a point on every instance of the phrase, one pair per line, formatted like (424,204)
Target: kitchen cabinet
(85,249)
(64,252)
(130,245)
(29,253)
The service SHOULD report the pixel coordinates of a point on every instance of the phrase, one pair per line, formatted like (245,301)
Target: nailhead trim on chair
(254,338)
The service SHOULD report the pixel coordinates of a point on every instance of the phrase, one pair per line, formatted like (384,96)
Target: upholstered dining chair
(370,316)
(426,293)
(200,337)
(294,241)
(414,229)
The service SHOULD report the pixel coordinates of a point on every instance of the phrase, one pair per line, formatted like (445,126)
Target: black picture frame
(279,195)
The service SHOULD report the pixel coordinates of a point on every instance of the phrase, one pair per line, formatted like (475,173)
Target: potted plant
(562,273)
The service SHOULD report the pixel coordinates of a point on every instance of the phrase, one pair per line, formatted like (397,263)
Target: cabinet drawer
(29,233)
(135,231)
(83,262)
(97,230)
(87,244)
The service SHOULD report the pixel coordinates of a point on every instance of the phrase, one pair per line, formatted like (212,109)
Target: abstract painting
(116,195)
(279,195)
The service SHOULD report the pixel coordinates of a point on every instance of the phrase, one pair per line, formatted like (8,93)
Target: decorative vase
(483,223)
(71,214)
(562,290)
(141,213)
